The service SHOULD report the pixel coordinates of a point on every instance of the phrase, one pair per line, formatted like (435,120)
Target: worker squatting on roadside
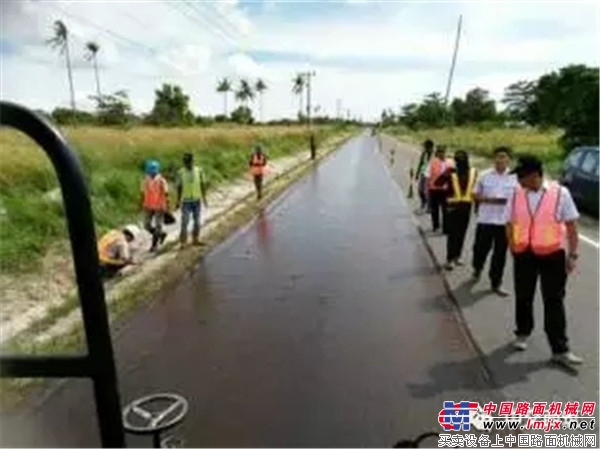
(258,166)
(437,195)
(155,202)
(541,228)
(458,181)
(191,190)
(114,250)
(493,189)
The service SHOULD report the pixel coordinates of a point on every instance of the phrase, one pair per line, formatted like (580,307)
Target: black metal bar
(85,257)
(45,366)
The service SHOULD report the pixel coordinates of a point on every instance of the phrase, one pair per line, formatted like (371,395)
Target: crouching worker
(114,251)
(258,165)
(155,201)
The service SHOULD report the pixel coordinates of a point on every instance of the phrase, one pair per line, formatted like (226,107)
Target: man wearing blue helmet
(155,200)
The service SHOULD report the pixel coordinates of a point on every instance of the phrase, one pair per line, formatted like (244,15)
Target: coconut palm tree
(244,92)
(91,54)
(298,89)
(260,87)
(60,41)
(224,87)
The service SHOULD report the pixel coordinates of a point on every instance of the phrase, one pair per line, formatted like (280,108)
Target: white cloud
(371,56)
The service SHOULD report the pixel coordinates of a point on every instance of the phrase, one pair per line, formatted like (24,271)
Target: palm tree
(60,40)
(92,49)
(260,87)
(298,89)
(244,92)
(224,87)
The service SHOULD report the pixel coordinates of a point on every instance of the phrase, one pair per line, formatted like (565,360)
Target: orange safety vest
(105,247)
(155,197)
(538,231)
(435,171)
(258,164)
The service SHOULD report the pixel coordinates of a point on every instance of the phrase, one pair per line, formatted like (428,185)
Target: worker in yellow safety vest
(191,190)
(114,250)
(458,181)
(541,224)
(258,166)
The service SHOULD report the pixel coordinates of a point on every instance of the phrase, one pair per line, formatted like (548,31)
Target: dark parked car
(580,175)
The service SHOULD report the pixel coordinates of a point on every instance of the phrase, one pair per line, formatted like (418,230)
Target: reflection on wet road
(321,324)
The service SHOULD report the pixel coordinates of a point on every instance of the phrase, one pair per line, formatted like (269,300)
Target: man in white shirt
(552,268)
(491,193)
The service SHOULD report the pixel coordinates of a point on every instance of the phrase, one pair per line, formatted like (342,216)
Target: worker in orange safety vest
(258,166)
(437,194)
(541,223)
(155,201)
(114,251)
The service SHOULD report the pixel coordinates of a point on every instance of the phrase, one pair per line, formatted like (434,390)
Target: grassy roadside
(14,391)
(482,142)
(30,223)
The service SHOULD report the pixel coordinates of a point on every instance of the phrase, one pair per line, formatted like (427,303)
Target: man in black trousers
(541,227)
(492,190)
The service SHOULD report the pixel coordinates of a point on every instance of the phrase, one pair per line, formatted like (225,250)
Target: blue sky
(370,55)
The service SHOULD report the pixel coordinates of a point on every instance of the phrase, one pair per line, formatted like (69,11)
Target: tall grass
(112,161)
(482,142)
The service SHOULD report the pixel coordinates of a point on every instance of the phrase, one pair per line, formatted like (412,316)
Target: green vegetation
(481,142)
(12,391)
(566,100)
(32,221)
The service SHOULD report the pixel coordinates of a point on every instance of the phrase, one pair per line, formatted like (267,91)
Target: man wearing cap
(258,164)
(191,188)
(541,223)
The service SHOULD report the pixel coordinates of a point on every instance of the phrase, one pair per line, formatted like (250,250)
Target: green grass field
(482,142)
(112,161)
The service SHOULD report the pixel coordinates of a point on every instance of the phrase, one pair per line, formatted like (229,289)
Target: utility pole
(338,105)
(313,148)
(451,74)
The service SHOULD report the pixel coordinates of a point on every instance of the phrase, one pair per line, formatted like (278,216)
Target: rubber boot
(155,239)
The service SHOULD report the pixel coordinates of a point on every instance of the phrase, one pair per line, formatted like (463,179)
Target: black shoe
(155,239)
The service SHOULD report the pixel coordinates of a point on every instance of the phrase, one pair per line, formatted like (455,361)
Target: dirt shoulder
(43,304)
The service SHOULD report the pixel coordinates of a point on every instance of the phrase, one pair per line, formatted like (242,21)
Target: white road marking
(584,238)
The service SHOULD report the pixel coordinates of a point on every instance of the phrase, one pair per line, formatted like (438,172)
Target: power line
(198,19)
(124,39)
(220,20)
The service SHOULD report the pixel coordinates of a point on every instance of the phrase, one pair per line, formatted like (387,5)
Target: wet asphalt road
(323,323)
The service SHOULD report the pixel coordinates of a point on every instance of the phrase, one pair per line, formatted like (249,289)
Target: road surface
(323,323)
(523,376)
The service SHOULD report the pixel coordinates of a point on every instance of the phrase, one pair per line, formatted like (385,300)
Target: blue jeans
(190,208)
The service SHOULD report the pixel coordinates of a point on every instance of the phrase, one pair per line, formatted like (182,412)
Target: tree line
(566,98)
(171,104)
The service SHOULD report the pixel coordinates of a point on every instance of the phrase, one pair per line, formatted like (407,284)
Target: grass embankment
(482,142)
(112,161)
(13,391)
